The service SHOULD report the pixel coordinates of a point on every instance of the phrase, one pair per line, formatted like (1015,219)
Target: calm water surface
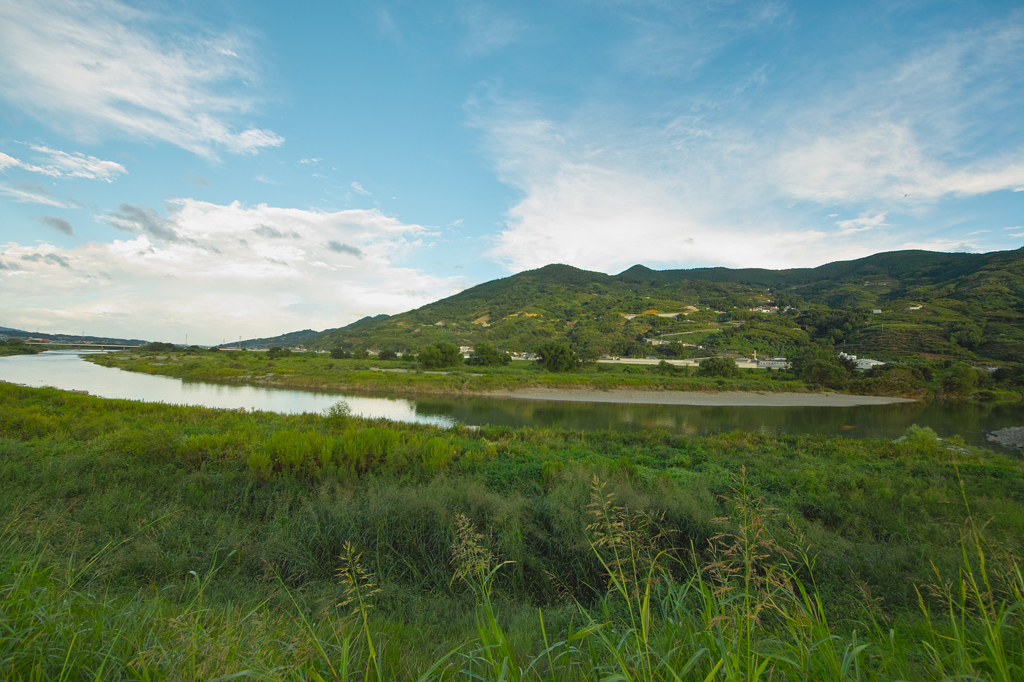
(66,370)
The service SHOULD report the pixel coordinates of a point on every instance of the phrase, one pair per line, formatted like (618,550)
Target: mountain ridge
(598,313)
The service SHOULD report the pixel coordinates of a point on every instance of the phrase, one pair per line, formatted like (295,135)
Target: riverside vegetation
(16,347)
(814,368)
(145,541)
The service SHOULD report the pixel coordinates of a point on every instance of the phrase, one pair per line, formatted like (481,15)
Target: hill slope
(941,304)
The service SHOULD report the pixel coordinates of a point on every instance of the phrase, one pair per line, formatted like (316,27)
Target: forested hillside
(937,305)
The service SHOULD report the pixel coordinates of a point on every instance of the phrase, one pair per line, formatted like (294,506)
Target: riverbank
(148,541)
(320,372)
(702,398)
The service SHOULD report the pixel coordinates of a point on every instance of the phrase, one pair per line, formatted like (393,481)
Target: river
(67,370)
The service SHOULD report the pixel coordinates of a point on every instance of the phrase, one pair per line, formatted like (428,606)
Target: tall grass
(139,542)
(747,615)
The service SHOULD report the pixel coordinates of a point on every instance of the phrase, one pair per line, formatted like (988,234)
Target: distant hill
(954,305)
(292,339)
(68,338)
(284,340)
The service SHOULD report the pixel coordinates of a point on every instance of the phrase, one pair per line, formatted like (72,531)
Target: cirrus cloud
(98,66)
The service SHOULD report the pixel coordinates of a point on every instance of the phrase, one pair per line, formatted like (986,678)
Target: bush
(960,380)
(818,365)
(441,354)
(278,352)
(718,367)
(556,356)
(966,335)
(1011,375)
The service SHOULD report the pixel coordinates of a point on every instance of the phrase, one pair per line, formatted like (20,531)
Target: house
(774,363)
(863,364)
(876,311)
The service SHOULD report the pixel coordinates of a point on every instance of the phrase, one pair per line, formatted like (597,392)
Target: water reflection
(66,370)
(69,371)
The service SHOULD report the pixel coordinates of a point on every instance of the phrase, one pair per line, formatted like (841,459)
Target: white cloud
(702,181)
(594,208)
(861,224)
(218,271)
(940,244)
(1015,227)
(58,164)
(359,188)
(311,162)
(886,162)
(100,66)
(910,132)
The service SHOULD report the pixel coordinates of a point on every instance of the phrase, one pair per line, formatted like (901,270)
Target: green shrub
(556,356)
(718,367)
(277,352)
(441,354)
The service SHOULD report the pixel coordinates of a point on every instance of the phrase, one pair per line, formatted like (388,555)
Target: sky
(225,169)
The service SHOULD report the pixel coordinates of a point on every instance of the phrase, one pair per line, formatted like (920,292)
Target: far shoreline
(697,398)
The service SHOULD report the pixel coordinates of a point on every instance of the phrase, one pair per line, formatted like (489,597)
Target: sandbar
(703,398)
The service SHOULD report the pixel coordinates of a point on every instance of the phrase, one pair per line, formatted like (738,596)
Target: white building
(774,364)
(863,364)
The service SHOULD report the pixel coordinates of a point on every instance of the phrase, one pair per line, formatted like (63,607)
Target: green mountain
(934,304)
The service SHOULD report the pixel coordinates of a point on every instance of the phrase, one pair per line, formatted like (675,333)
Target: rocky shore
(1012,437)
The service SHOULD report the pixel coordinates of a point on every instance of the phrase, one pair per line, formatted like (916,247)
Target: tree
(556,356)
(718,367)
(340,354)
(278,352)
(966,335)
(818,365)
(486,355)
(440,354)
(1011,375)
(386,355)
(961,379)
(430,357)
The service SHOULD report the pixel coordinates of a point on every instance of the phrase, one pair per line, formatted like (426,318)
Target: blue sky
(220,169)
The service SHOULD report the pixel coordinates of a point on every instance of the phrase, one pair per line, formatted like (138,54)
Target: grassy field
(145,541)
(311,370)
